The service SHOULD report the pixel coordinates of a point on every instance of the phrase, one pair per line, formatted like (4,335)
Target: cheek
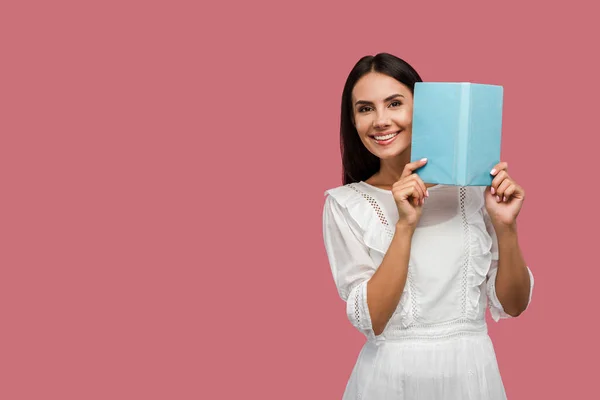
(405,119)
(361,125)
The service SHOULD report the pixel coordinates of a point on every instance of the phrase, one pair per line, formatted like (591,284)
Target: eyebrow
(386,99)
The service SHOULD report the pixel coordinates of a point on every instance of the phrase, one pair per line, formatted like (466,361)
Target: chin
(391,152)
(388,156)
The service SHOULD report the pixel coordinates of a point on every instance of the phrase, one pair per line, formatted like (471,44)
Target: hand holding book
(409,194)
(504,198)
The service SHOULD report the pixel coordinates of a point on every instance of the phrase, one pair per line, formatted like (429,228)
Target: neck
(390,170)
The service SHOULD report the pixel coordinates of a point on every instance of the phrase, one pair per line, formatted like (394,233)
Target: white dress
(436,344)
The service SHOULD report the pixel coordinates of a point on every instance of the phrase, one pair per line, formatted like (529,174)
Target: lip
(384,133)
(385,142)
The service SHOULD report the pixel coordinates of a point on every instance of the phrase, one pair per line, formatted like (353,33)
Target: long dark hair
(358,163)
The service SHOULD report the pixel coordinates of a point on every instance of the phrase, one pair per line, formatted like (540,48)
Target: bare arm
(385,287)
(512,279)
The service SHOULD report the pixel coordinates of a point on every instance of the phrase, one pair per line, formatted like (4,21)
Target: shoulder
(345,196)
(339,210)
(348,202)
(355,206)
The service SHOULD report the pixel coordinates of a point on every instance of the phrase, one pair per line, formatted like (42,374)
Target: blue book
(458,128)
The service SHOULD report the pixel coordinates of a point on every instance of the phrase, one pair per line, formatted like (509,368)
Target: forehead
(375,86)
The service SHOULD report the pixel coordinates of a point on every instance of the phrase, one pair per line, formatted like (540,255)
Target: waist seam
(443,330)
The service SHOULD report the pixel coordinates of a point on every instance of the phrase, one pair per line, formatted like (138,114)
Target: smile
(385,139)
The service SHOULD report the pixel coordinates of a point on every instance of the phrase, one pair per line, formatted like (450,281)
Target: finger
(500,193)
(515,191)
(408,193)
(416,178)
(422,185)
(501,166)
(500,177)
(413,166)
(411,189)
(414,188)
(405,191)
(508,193)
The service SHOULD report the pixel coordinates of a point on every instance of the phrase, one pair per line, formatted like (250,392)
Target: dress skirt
(461,367)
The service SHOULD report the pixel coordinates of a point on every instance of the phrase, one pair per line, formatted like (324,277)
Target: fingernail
(504,198)
(427,193)
(423,159)
(498,199)
(493,171)
(493,190)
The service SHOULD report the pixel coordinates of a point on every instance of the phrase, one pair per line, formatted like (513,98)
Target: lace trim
(436,338)
(458,321)
(456,327)
(377,209)
(413,300)
(467,247)
(356,307)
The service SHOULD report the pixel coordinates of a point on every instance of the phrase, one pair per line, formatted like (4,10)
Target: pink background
(163,167)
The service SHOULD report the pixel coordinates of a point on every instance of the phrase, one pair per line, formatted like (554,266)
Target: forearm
(512,279)
(385,287)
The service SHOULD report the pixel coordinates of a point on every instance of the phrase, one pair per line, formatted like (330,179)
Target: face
(382,109)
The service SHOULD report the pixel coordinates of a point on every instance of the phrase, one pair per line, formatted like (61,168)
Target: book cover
(457,126)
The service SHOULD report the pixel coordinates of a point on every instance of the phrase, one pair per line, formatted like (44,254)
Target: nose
(381,120)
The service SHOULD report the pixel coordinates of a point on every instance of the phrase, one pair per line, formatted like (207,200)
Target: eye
(364,109)
(395,103)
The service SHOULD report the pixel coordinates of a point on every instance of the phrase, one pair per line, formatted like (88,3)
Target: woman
(417,263)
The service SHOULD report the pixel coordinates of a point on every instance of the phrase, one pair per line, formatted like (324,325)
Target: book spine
(463,135)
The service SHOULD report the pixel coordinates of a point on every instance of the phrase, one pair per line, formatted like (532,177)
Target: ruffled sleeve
(350,263)
(496,309)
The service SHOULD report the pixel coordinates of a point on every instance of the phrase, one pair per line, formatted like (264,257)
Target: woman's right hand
(410,193)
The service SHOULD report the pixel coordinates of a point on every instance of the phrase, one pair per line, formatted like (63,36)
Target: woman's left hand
(504,198)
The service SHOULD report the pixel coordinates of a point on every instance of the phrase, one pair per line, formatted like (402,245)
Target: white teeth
(386,137)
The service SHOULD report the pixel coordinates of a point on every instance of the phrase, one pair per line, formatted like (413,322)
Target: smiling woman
(376,101)
(417,264)
(380,122)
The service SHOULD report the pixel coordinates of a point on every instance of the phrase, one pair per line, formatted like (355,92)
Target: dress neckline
(434,187)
